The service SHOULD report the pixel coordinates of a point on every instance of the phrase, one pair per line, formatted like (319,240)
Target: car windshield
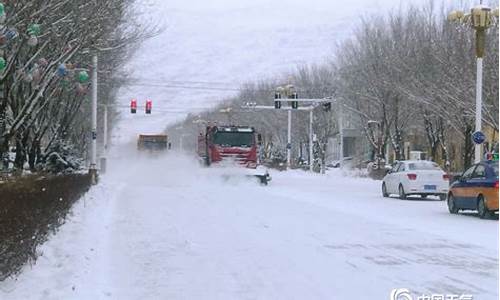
(423,166)
(234,139)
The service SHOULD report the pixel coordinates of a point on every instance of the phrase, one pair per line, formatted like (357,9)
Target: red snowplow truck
(229,146)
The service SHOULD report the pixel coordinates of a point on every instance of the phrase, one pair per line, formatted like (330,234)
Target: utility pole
(227,112)
(105,140)
(340,118)
(93,146)
(311,135)
(290,93)
(289,140)
(105,129)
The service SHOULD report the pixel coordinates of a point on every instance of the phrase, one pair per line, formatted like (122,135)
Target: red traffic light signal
(149,106)
(133,106)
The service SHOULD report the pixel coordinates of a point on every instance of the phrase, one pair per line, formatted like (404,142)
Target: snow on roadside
(164,228)
(66,264)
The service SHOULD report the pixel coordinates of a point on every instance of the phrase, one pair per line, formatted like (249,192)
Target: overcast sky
(224,43)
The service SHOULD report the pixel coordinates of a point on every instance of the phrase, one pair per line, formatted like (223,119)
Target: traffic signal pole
(327,104)
(289,135)
(93,146)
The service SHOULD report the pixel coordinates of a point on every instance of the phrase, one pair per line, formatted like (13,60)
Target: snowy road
(166,229)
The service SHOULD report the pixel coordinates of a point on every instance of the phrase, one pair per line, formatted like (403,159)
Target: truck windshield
(233,139)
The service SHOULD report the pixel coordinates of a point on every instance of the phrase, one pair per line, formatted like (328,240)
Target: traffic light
(277,104)
(149,106)
(295,104)
(133,106)
(327,106)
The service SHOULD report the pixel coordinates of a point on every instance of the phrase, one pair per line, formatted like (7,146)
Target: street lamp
(200,122)
(480,19)
(228,112)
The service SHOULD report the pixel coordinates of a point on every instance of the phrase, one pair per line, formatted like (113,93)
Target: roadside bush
(31,208)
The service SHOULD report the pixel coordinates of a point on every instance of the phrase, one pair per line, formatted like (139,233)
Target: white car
(416,177)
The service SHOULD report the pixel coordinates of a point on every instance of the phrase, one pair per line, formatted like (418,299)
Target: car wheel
(452,207)
(482,210)
(423,196)
(402,194)
(442,197)
(384,190)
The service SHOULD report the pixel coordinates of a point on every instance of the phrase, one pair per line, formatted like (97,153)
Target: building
(350,131)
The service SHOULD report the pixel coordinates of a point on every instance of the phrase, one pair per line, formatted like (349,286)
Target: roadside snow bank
(66,258)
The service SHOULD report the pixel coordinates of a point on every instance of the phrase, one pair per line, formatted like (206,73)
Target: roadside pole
(289,140)
(311,155)
(103,159)
(105,129)
(93,147)
(479,105)
(4,155)
(340,119)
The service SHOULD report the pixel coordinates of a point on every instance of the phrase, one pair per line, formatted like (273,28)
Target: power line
(187,82)
(181,86)
(202,85)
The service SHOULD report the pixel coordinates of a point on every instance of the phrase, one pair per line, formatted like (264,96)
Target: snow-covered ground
(165,228)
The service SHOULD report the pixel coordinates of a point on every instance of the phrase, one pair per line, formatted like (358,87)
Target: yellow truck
(153,142)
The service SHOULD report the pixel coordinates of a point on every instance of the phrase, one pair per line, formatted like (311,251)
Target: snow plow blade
(264,179)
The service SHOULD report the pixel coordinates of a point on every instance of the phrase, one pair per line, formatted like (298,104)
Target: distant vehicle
(476,189)
(231,146)
(152,142)
(416,177)
(418,155)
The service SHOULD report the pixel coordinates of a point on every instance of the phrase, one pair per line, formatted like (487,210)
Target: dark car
(476,189)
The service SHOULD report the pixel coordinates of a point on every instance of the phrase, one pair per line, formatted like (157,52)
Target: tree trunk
(468,146)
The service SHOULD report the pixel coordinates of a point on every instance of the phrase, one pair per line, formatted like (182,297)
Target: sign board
(478,137)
